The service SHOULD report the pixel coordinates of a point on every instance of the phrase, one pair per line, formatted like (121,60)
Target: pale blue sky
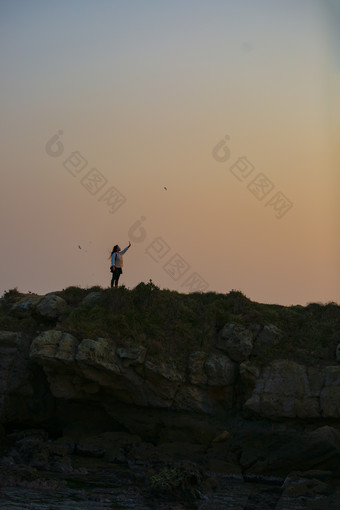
(144,90)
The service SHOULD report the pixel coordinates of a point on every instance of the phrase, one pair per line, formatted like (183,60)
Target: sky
(205,132)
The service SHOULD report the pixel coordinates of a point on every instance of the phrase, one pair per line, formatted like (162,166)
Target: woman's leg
(117,278)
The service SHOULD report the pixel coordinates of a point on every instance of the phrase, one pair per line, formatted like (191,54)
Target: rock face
(76,369)
(269,336)
(236,341)
(286,389)
(52,306)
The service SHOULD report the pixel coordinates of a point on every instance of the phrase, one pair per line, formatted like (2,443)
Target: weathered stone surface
(192,398)
(330,394)
(25,306)
(53,346)
(236,341)
(220,370)
(248,376)
(283,390)
(52,306)
(270,335)
(162,378)
(131,356)
(92,298)
(196,372)
(211,369)
(99,353)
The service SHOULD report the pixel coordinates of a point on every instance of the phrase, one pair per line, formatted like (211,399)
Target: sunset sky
(105,103)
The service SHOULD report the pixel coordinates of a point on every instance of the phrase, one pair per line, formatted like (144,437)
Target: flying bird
(165,188)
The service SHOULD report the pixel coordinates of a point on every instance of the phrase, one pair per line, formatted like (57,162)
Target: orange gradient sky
(143,91)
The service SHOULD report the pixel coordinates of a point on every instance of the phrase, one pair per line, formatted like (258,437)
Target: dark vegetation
(171,324)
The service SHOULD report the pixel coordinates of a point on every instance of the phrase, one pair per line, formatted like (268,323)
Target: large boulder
(53,346)
(211,369)
(52,306)
(236,340)
(92,298)
(220,370)
(269,336)
(284,391)
(279,450)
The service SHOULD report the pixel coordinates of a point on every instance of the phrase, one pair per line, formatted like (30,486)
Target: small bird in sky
(79,247)
(165,188)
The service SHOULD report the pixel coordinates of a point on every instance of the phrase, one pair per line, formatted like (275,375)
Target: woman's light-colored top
(117,258)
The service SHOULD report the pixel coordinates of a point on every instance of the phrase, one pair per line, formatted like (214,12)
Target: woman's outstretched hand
(129,244)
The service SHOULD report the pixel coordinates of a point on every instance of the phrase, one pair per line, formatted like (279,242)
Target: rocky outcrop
(211,381)
(223,404)
(86,368)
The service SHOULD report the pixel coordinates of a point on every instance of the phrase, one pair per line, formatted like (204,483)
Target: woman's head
(114,249)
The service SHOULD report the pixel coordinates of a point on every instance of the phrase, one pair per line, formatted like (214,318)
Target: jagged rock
(283,390)
(211,369)
(54,346)
(131,356)
(248,376)
(99,353)
(52,306)
(192,398)
(220,370)
(163,378)
(196,372)
(236,341)
(270,335)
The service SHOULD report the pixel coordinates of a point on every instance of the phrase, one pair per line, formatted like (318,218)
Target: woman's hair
(114,249)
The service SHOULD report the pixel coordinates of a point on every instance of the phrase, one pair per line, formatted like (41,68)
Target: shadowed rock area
(177,398)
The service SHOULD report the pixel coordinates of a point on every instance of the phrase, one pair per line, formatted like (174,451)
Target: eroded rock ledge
(208,382)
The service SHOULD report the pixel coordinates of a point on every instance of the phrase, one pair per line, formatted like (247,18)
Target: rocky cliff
(240,387)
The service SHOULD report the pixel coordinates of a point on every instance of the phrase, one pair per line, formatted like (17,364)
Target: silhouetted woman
(117,263)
